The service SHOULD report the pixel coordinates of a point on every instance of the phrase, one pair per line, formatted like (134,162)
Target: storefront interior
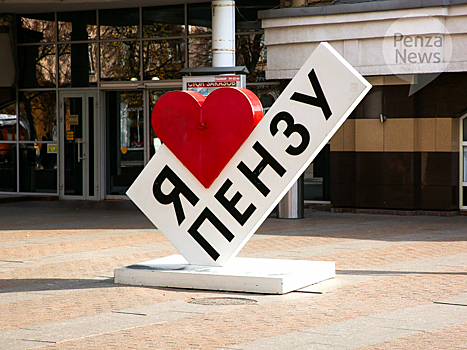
(77,122)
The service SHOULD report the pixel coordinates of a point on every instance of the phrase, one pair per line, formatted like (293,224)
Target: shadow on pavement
(49,284)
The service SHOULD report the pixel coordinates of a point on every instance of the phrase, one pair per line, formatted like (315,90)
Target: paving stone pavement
(401,284)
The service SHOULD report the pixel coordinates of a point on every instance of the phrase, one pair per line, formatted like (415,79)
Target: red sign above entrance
(207,84)
(215,84)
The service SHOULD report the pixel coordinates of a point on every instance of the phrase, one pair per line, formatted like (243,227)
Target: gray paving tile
(349,277)
(423,318)
(118,320)
(89,254)
(354,245)
(76,237)
(285,341)
(460,300)
(103,323)
(364,331)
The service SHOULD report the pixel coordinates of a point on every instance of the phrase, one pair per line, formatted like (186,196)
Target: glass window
(199,52)
(267,94)
(33,177)
(37,116)
(155,142)
(199,19)
(36,28)
(119,23)
(77,65)
(163,59)
(251,53)
(7,167)
(120,60)
(8,123)
(79,25)
(163,21)
(37,66)
(464,130)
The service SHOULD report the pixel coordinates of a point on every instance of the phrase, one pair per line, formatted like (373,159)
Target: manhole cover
(223,301)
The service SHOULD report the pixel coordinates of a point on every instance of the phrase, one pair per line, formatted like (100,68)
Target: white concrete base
(269,276)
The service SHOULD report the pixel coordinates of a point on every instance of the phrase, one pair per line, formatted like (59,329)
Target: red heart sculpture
(204,134)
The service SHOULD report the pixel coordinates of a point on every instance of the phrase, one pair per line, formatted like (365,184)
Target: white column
(223,33)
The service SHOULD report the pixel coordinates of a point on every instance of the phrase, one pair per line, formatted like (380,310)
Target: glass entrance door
(126,135)
(78,146)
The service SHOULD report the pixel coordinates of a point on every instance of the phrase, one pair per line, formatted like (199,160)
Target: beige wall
(359,38)
(397,135)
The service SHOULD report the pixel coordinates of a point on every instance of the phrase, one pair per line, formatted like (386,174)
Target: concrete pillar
(223,33)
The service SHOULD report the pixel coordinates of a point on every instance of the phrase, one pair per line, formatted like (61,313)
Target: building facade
(404,147)
(80,78)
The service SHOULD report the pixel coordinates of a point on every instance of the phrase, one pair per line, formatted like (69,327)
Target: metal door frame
(85,95)
(462,144)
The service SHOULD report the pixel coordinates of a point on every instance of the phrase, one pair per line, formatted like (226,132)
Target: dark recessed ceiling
(199,13)
(41,6)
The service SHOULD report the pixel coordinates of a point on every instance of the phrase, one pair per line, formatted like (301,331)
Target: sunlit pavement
(401,284)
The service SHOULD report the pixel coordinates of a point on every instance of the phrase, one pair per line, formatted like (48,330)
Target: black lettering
(267,160)
(194,232)
(291,128)
(319,100)
(174,196)
(230,205)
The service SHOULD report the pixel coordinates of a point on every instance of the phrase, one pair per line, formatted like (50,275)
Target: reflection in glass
(7,167)
(119,23)
(267,94)
(155,142)
(33,177)
(37,28)
(199,19)
(120,60)
(37,116)
(78,25)
(38,66)
(125,139)
(163,59)
(91,141)
(199,52)
(464,130)
(74,137)
(77,65)
(163,21)
(251,53)
(8,123)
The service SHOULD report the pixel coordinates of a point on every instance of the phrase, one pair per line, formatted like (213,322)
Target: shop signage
(73,119)
(209,221)
(207,84)
(52,149)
